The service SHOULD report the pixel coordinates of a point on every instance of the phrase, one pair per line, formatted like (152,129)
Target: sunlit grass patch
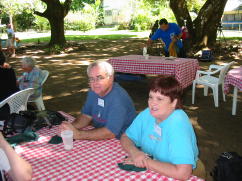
(81,37)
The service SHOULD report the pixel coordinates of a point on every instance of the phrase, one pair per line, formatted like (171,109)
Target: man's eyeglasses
(97,79)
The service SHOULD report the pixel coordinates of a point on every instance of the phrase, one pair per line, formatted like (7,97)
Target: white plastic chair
(209,80)
(39,100)
(18,101)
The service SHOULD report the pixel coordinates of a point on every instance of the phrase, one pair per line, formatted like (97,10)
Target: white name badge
(100,102)
(157,129)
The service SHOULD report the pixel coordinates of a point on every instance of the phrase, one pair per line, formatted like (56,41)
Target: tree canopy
(202,29)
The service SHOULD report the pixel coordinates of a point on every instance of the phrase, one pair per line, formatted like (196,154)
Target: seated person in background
(31,78)
(108,106)
(8,84)
(164,131)
(17,168)
(170,34)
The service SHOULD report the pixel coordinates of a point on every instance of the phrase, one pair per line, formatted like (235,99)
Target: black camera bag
(19,122)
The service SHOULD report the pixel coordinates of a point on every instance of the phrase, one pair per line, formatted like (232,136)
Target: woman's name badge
(157,129)
(100,102)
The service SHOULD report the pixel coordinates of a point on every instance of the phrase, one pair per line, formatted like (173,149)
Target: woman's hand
(1,136)
(139,159)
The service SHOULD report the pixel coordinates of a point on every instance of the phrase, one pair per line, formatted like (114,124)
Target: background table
(184,69)
(88,160)
(234,78)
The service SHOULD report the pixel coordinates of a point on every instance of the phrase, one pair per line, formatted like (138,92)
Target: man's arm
(83,121)
(19,169)
(95,134)
(177,37)
(149,42)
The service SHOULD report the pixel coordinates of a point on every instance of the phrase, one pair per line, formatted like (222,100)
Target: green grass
(99,37)
(230,38)
(81,37)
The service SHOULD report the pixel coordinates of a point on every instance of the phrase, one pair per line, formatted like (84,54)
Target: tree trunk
(57,31)
(203,30)
(55,13)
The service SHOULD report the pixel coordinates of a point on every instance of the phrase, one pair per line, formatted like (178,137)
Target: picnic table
(184,69)
(233,78)
(88,160)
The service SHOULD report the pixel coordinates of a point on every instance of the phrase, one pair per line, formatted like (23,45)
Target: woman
(12,163)
(8,84)
(164,131)
(31,78)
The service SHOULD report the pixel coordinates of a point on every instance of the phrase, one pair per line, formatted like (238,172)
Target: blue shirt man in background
(169,33)
(108,106)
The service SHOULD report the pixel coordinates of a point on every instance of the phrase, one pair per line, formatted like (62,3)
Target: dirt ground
(217,130)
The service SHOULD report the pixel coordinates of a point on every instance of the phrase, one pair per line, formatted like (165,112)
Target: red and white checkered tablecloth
(234,78)
(184,69)
(88,160)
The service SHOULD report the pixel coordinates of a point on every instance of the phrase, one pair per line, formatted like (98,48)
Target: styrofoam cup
(67,137)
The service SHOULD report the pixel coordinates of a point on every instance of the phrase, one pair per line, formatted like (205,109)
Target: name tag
(100,102)
(157,129)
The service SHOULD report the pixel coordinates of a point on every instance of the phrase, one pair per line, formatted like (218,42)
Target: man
(17,168)
(170,34)
(10,40)
(108,106)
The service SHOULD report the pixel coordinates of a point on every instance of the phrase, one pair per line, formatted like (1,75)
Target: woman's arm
(140,159)
(136,157)
(19,169)
(180,171)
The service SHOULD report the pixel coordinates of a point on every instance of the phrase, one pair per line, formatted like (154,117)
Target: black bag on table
(31,120)
(228,167)
(19,122)
(47,118)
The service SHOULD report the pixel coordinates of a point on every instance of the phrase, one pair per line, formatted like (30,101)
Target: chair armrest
(200,72)
(204,72)
(215,67)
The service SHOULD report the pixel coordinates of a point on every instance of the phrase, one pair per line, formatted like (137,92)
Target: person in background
(8,84)
(108,107)
(154,28)
(170,34)
(17,168)
(31,77)
(162,131)
(10,41)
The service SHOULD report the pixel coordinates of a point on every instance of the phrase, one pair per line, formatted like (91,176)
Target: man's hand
(68,126)
(149,43)
(174,38)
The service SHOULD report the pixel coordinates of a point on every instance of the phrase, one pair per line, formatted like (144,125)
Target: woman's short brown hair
(168,86)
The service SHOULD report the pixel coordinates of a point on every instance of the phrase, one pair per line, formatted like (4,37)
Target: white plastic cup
(67,137)
(146,56)
(144,51)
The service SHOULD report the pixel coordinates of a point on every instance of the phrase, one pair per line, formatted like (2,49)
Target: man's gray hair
(107,67)
(29,62)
